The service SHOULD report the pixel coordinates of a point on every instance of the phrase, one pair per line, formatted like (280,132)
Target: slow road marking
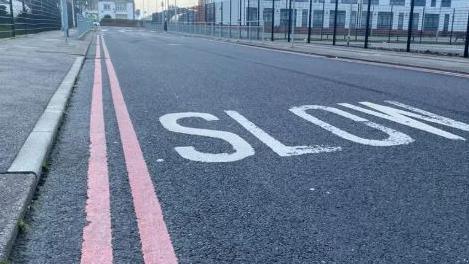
(396,112)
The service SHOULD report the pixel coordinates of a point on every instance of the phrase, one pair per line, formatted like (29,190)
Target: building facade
(116,9)
(429,15)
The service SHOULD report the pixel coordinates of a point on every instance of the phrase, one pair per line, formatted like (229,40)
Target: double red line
(97,234)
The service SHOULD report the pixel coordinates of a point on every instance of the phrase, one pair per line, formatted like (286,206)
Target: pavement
(37,73)
(378,52)
(252,156)
(31,69)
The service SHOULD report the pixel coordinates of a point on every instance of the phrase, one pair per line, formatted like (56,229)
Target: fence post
(390,23)
(289,20)
(240,15)
(309,21)
(323,15)
(12,20)
(230,19)
(422,27)
(367,30)
(248,19)
(411,24)
(334,36)
(258,18)
(273,23)
(452,27)
(466,47)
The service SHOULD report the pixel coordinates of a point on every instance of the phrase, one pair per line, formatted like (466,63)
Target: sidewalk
(434,62)
(33,69)
(426,61)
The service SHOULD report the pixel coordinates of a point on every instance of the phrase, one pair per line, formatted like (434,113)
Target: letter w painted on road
(404,117)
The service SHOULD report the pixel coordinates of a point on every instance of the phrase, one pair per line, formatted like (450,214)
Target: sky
(151,5)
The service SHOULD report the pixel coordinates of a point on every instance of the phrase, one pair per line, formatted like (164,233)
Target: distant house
(117,9)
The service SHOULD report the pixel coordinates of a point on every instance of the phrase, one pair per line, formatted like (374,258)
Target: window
(373,2)
(445,3)
(433,3)
(400,21)
(304,18)
(431,22)
(384,20)
(318,18)
(420,2)
(415,21)
(284,17)
(353,20)
(107,7)
(122,7)
(446,23)
(251,15)
(397,2)
(345,1)
(363,20)
(267,14)
(340,18)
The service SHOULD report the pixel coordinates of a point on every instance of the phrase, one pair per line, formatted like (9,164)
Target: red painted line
(97,237)
(156,243)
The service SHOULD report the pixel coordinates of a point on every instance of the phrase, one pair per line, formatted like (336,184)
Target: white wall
(461,8)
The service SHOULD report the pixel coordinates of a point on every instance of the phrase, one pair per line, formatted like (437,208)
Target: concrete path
(31,69)
(37,74)
(436,62)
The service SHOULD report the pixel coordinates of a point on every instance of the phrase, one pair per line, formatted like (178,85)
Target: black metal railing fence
(19,17)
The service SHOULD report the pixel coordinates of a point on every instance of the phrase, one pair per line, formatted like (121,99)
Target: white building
(117,9)
(429,15)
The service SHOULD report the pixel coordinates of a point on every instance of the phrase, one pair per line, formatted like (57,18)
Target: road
(252,156)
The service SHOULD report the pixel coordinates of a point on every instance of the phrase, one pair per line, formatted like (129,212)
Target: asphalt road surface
(252,156)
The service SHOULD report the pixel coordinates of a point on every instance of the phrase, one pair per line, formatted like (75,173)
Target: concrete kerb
(458,73)
(33,153)
(19,183)
(17,192)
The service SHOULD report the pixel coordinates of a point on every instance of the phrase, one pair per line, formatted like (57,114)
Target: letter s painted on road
(242,148)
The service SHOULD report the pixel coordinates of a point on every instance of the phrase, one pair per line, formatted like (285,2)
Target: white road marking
(277,146)
(242,149)
(404,117)
(395,137)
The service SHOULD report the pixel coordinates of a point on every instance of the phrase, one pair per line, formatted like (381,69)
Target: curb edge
(35,151)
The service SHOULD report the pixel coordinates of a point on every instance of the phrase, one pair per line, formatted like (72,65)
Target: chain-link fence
(18,17)
(431,26)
